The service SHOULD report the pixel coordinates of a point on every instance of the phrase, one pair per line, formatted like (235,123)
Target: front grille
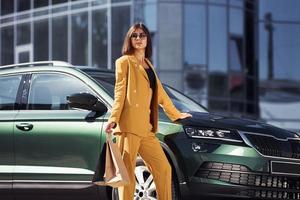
(239,174)
(251,179)
(224,166)
(269,194)
(273,147)
(259,185)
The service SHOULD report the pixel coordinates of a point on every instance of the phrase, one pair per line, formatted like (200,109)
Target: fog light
(198,147)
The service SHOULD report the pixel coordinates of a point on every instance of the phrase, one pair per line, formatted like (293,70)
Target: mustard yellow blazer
(131,107)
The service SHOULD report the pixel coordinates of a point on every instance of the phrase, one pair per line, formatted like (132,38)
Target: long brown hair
(127,46)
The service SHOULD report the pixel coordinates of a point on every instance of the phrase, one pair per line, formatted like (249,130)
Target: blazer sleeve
(165,102)
(119,90)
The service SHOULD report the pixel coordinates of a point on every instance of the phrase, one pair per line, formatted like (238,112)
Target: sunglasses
(140,35)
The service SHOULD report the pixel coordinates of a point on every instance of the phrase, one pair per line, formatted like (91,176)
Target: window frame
(61,73)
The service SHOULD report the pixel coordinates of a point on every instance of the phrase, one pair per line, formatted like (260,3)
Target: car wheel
(145,188)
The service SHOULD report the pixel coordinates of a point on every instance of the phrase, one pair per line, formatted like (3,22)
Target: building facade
(215,51)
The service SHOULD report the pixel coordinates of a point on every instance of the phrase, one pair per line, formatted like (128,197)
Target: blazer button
(134,91)
(137,105)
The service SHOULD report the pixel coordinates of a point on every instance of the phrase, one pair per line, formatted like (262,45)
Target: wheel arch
(173,161)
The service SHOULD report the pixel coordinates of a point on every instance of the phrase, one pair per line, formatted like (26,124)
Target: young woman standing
(134,116)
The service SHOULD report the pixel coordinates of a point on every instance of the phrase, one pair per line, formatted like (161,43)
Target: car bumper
(229,170)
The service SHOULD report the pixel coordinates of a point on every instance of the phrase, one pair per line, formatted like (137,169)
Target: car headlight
(213,133)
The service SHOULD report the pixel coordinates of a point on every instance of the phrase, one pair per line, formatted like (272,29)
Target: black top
(152,79)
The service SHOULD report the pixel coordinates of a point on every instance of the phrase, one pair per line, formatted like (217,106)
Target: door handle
(24,126)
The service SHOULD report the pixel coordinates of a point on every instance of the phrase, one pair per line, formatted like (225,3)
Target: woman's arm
(165,102)
(119,90)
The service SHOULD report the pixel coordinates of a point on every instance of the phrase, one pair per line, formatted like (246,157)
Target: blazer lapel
(139,67)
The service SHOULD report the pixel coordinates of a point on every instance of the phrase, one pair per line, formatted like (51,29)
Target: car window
(181,101)
(50,91)
(8,91)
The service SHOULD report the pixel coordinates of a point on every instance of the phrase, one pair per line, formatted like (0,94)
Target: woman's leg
(128,144)
(155,159)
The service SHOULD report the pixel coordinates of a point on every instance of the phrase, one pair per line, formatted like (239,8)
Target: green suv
(52,121)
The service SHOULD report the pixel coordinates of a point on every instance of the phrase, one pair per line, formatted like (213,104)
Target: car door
(56,146)
(9,86)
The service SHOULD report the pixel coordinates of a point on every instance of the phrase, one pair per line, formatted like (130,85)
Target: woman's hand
(109,127)
(185,115)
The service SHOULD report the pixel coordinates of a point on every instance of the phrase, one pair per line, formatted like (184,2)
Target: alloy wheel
(145,188)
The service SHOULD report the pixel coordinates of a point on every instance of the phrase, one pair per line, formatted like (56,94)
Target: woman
(134,116)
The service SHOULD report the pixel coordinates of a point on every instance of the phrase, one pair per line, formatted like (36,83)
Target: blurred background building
(236,57)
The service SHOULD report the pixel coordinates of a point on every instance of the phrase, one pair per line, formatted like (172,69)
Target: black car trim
(283,173)
(272,136)
(23,95)
(20,92)
(266,156)
(171,155)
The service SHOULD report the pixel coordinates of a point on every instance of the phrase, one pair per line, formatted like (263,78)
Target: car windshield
(181,101)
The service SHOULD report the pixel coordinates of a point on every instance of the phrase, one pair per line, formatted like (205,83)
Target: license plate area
(286,168)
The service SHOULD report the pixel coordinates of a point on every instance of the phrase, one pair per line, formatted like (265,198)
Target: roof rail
(39,63)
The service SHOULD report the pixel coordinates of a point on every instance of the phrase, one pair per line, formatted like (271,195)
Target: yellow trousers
(150,150)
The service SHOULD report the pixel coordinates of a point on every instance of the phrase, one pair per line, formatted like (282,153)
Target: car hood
(200,119)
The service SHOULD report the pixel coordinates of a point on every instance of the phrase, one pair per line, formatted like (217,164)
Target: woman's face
(139,39)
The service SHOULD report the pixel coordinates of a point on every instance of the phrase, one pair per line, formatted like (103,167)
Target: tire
(142,174)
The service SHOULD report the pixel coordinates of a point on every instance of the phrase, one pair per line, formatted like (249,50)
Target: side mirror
(86,101)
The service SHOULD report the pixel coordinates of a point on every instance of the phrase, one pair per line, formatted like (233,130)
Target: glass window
(280,9)
(236,53)
(80,39)
(194,1)
(41,40)
(116,1)
(99,38)
(222,2)
(59,1)
(146,11)
(218,84)
(23,5)
(150,15)
(60,38)
(173,78)
(7,7)
(236,86)
(284,61)
(46,92)
(238,3)
(236,21)
(217,39)
(217,105)
(24,57)
(120,26)
(78,5)
(23,33)
(8,91)
(7,45)
(63,8)
(98,2)
(237,106)
(194,35)
(40,3)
